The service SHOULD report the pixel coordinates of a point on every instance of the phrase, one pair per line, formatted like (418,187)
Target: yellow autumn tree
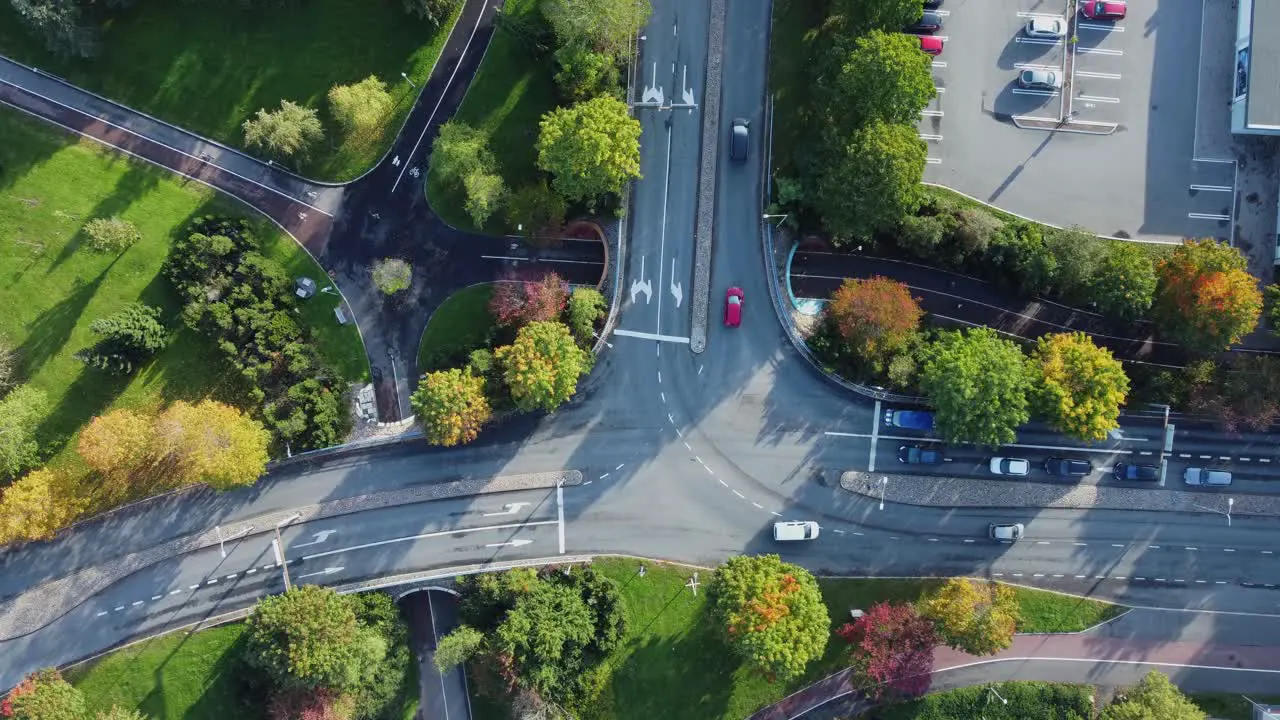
(38,505)
(211,443)
(1081,386)
(978,618)
(117,444)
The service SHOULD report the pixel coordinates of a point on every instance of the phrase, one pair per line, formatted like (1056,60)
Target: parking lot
(1111,149)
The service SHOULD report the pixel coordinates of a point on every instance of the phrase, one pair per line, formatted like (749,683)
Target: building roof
(1264,66)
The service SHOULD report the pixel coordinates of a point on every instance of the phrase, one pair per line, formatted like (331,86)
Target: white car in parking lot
(1048,27)
(1036,79)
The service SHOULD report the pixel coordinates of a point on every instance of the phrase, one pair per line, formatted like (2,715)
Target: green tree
(591,148)
(457,647)
(546,633)
(44,695)
(460,150)
(435,12)
(284,133)
(586,306)
(451,406)
(58,23)
(978,618)
(1078,253)
(392,275)
(311,413)
(1270,304)
(1153,698)
(585,73)
(20,414)
(304,638)
(1081,387)
(925,236)
(8,365)
(856,17)
(771,613)
(535,210)
(1125,282)
(979,384)
(118,713)
(111,235)
(127,338)
(362,106)
(1018,259)
(485,193)
(605,26)
(975,228)
(886,78)
(1206,298)
(542,366)
(872,181)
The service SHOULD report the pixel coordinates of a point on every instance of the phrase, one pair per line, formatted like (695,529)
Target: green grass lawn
(461,324)
(508,95)
(1230,706)
(1026,701)
(675,667)
(790,75)
(208,66)
(173,677)
(50,185)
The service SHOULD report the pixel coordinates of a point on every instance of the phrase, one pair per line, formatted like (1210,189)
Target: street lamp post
(1230,504)
(884,483)
(992,688)
(222,542)
(406,79)
(784,217)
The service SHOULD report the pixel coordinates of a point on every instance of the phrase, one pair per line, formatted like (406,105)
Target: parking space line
(942,13)
(938,113)
(1207,216)
(1034,66)
(1103,75)
(939,63)
(933,161)
(1213,188)
(930,138)
(1098,98)
(943,38)
(1041,93)
(1024,14)
(1096,26)
(1098,51)
(1036,41)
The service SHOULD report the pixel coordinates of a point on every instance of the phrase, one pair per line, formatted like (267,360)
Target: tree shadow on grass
(233,690)
(49,332)
(137,181)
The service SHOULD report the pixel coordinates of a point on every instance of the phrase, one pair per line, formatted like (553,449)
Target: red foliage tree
(1206,297)
(307,704)
(876,316)
(516,302)
(892,649)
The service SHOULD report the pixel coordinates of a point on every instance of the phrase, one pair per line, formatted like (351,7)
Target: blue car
(910,419)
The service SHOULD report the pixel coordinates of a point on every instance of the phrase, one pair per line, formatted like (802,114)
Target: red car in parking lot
(733,307)
(931,44)
(1103,9)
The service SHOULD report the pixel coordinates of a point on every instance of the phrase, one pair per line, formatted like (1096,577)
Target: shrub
(128,338)
(44,695)
(451,406)
(1078,253)
(584,73)
(535,210)
(516,303)
(925,236)
(435,12)
(974,231)
(362,106)
(586,307)
(20,414)
(392,275)
(290,131)
(111,235)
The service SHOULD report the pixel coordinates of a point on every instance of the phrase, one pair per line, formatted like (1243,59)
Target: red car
(733,307)
(1103,9)
(931,44)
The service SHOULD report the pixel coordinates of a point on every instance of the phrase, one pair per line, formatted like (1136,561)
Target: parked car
(1050,27)
(919,455)
(1010,466)
(1103,9)
(739,139)
(1040,79)
(1068,467)
(1205,476)
(1005,532)
(789,530)
(733,307)
(931,44)
(910,419)
(1133,471)
(932,4)
(929,22)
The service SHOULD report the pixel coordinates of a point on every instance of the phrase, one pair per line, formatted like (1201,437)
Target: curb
(704,222)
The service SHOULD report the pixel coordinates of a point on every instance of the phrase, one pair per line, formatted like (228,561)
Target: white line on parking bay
(1042,93)
(1036,41)
(1098,98)
(933,161)
(1103,75)
(1034,66)
(1213,188)
(1095,26)
(1098,51)
(939,63)
(1207,216)
(931,138)
(938,113)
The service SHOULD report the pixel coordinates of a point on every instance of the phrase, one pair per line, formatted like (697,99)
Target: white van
(795,530)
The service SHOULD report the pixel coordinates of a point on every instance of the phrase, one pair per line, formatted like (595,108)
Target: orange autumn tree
(1206,299)
(876,317)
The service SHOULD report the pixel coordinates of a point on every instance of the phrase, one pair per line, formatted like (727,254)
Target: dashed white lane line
(678,433)
(118,608)
(1224,457)
(761,507)
(969,540)
(1017,574)
(686,447)
(1159,579)
(620,466)
(1244,459)
(156,597)
(699,459)
(176,592)
(1184,455)
(194,587)
(1119,577)
(775,513)
(1228,549)
(933,539)
(722,482)
(740,495)
(1154,547)
(1219,582)
(660,379)
(136,603)
(1058,575)
(1266,552)
(1140,578)
(603,476)
(1042,542)
(1144,452)
(267,567)
(1116,545)
(1038,575)
(671,419)
(1078,577)
(1080,544)
(1190,548)
(229,577)
(104,612)
(1200,582)
(663,396)
(212,582)
(841,532)
(858,533)
(1206,457)
(710,472)
(1264,459)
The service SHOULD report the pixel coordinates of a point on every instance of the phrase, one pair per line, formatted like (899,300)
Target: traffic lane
(1102,671)
(444,696)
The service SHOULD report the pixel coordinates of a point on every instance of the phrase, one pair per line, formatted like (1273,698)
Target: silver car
(1036,79)
(1049,27)
(1205,476)
(1005,532)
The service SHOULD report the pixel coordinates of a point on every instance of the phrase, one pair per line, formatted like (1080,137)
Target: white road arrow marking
(319,538)
(685,91)
(513,543)
(675,286)
(641,286)
(326,571)
(508,509)
(652,94)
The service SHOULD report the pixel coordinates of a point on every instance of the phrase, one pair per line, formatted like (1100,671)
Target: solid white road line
(651,336)
(925,438)
(662,237)
(423,536)
(548,260)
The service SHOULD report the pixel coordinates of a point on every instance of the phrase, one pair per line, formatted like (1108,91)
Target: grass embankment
(461,324)
(508,95)
(209,66)
(791,55)
(1230,706)
(674,665)
(52,288)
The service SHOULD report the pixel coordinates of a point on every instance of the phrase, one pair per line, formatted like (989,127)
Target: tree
(586,307)
(535,210)
(362,106)
(1153,698)
(516,303)
(451,406)
(20,413)
(870,182)
(457,647)
(118,713)
(547,633)
(605,26)
(876,317)
(1125,282)
(891,649)
(304,638)
(392,275)
(585,73)
(58,23)
(309,414)
(117,444)
(111,235)
(460,150)
(978,618)
(212,443)
(284,133)
(1271,308)
(975,228)
(8,365)
(856,17)
(542,367)
(979,383)
(128,338)
(885,79)
(1206,298)
(1081,386)
(771,613)
(435,12)
(38,505)
(311,704)
(590,148)
(44,695)
(1078,253)
(484,195)
(1018,259)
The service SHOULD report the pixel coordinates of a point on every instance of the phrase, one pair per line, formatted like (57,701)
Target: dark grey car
(739,139)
